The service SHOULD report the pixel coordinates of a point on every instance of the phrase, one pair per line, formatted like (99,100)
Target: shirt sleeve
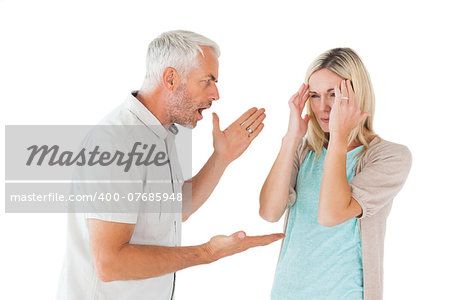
(107,186)
(381,178)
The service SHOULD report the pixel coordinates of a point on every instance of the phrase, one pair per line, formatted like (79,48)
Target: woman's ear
(170,79)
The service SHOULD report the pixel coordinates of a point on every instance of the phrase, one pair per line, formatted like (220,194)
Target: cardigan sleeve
(385,170)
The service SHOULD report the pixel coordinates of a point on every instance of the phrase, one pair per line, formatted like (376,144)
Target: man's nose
(214,93)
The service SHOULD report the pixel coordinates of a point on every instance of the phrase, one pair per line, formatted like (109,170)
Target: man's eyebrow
(213,77)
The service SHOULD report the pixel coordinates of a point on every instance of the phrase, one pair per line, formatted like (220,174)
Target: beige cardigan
(379,175)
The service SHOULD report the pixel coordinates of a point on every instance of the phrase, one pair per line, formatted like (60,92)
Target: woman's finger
(337,95)
(294,102)
(300,94)
(296,95)
(305,98)
(344,92)
(305,93)
(301,89)
(351,92)
(292,99)
(306,118)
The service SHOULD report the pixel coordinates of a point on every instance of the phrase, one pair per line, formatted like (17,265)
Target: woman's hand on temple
(297,125)
(345,113)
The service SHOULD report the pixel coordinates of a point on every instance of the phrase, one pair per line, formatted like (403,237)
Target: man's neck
(154,103)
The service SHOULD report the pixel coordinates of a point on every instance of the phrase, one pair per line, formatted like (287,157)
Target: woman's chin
(325,128)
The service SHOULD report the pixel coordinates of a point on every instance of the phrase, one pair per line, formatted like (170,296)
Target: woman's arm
(275,191)
(336,204)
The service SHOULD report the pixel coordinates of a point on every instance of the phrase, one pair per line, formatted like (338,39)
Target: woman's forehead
(323,80)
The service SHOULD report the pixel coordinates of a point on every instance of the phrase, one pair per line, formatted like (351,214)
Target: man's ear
(170,79)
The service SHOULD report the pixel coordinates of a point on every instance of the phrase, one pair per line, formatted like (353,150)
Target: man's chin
(190,125)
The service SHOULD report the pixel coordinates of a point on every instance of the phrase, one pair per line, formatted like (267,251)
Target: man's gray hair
(178,49)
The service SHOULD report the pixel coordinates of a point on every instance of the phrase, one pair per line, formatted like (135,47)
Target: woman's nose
(325,104)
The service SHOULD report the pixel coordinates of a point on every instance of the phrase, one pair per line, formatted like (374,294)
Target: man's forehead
(208,57)
(208,51)
(208,63)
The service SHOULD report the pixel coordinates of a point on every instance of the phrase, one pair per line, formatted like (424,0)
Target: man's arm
(228,145)
(116,259)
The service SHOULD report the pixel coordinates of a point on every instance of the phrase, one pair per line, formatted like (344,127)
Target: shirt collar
(146,117)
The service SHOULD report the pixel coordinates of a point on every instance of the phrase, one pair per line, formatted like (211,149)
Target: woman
(337,179)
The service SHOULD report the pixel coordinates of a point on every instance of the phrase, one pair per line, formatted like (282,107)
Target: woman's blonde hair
(345,63)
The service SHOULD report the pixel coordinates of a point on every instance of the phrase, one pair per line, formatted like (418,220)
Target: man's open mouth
(200,110)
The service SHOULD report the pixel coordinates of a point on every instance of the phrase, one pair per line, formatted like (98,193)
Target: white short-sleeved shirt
(79,279)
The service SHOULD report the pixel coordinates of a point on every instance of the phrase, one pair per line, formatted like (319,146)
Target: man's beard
(181,108)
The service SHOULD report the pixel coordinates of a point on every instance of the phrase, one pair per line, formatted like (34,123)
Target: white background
(71,62)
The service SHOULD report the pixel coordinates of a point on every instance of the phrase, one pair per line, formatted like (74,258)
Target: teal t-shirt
(318,262)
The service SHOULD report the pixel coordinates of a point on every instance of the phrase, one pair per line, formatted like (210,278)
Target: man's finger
(262,240)
(248,122)
(246,115)
(256,132)
(255,123)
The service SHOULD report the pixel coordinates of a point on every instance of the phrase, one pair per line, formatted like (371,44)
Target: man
(134,255)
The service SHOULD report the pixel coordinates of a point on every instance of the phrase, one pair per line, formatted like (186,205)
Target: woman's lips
(325,120)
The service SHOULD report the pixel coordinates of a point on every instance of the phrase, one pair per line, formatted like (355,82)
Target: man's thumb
(240,235)
(215,120)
